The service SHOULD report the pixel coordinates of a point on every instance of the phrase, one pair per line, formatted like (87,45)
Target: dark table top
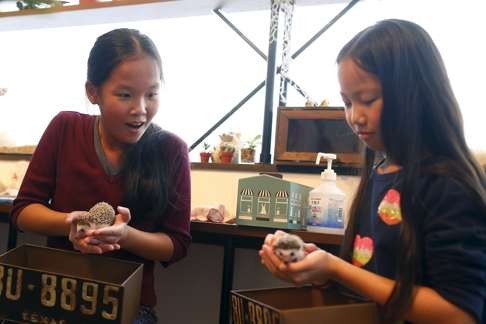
(5,205)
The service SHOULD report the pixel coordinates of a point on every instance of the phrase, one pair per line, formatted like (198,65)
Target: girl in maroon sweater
(119,157)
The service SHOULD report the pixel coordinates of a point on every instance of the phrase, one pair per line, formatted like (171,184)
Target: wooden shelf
(128,10)
(67,7)
(257,167)
(308,168)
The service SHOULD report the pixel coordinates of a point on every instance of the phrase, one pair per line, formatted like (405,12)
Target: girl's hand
(314,268)
(81,240)
(115,233)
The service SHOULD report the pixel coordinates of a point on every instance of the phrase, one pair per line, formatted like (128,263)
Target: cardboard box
(304,305)
(45,285)
(268,201)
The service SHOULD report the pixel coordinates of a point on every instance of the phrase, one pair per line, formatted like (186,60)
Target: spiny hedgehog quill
(289,247)
(100,215)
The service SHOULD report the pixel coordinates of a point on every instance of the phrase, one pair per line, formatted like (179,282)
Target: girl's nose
(357,116)
(140,106)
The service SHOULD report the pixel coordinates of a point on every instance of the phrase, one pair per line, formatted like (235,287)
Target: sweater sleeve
(176,221)
(455,246)
(39,181)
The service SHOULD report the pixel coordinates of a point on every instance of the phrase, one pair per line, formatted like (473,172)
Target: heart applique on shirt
(389,208)
(362,251)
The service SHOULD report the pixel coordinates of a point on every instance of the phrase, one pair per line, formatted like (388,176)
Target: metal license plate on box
(297,305)
(44,285)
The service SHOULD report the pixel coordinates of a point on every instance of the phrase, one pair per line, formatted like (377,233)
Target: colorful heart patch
(363,250)
(389,208)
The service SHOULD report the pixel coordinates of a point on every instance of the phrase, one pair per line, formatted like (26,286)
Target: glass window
(208,69)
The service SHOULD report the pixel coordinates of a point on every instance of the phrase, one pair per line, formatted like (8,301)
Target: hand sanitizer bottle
(326,202)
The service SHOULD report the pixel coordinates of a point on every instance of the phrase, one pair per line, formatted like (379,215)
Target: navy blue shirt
(452,229)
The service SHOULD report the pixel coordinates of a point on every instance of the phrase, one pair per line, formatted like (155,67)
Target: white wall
(211,187)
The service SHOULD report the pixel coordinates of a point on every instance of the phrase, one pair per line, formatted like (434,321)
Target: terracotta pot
(247,155)
(226,157)
(204,157)
(87,2)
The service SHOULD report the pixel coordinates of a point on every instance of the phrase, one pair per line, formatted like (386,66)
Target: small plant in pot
(38,4)
(205,154)
(226,153)
(248,151)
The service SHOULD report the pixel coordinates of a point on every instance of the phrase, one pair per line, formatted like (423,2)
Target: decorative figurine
(324,103)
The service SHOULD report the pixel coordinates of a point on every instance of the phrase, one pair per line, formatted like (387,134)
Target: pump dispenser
(326,202)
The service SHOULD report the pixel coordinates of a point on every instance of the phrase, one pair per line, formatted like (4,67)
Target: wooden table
(230,236)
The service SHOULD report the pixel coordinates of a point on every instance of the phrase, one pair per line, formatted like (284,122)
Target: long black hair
(145,168)
(420,121)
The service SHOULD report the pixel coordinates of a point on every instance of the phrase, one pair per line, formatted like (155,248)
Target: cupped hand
(81,239)
(314,268)
(115,233)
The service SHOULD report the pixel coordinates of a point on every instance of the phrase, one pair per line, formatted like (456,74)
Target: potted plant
(39,4)
(205,154)
(226,153)
(248,150)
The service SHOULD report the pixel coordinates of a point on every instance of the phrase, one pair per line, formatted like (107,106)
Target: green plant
(252,143)
(39,4)
(225,147)
(206,147)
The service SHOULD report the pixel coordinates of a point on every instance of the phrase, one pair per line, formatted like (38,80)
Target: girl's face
(363,101)
(128,100)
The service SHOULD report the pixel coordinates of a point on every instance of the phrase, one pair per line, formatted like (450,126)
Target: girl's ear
(91,92)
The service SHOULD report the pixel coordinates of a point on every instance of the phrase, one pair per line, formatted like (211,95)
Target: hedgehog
(100,215)
(289,247)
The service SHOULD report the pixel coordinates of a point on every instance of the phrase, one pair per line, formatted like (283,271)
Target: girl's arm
(30,211)
(152,246)
(40,219)
(320,266)
(427,306)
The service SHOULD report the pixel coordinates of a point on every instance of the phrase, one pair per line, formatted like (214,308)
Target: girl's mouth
(364,135)
(135,125)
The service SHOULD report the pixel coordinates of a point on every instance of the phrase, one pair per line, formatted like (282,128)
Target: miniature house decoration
(268,201)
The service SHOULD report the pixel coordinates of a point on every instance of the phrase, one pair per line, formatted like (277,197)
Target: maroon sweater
(65,174)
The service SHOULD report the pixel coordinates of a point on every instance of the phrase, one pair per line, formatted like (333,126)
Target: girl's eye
(347,105)
(153,95)
(123,95)
(369,102)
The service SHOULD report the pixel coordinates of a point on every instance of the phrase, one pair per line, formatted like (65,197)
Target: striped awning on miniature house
(262,197)
(247,192)
(264,193)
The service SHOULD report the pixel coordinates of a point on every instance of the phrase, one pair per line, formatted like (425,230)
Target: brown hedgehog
(100,215)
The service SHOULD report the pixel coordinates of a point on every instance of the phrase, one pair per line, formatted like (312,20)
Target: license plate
(41,297)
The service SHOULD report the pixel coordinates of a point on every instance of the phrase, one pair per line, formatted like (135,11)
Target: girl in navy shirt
(416,238)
